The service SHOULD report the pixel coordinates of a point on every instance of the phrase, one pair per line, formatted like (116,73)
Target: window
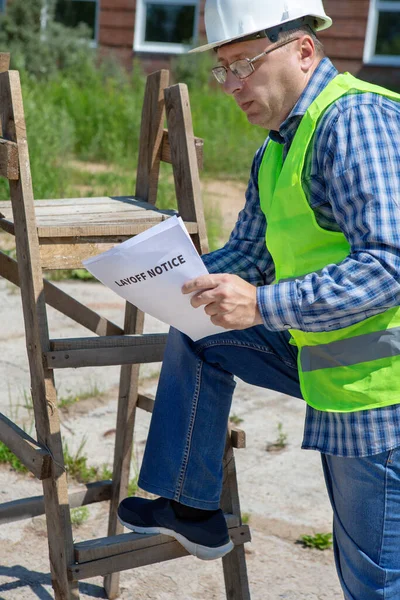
(73,12)
(382,44)
(166,25)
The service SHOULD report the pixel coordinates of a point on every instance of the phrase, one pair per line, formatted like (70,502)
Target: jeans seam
(243,345)
(186,452)
(388,461)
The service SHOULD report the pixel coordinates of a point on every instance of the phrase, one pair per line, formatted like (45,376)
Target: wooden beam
(63,302)
(151,136)
(32,455)
(132,550)
(184,161)
(37,339)
(109,341)
(166,150)
(106,351)
(9,164)
(26,508)
(4,61)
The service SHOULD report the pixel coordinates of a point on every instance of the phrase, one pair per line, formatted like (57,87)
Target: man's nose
(232,83)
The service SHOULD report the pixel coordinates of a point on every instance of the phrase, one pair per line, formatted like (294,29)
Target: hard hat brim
(323,23)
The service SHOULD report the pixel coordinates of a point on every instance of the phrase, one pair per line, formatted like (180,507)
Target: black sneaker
(206,539)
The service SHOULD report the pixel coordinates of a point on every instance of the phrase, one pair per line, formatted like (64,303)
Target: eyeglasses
(243,67)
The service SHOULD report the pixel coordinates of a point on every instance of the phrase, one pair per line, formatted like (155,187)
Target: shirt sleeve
(245,254)
(359,159)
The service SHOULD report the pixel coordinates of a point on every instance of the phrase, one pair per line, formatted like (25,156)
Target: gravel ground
(282,492)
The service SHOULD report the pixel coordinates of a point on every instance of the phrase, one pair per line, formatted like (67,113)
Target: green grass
(320,541)
(77,466)
(7,457)
(79,515)
(235,419)
(72,398)
(95,116)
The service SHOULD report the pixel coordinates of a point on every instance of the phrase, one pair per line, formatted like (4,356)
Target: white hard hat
(229,20)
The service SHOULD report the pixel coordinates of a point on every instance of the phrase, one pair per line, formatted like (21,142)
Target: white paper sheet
(149,271)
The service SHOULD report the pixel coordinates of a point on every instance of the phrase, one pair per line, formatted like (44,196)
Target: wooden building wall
(344,41)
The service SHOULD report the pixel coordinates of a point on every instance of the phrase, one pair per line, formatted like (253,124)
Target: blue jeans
(183,456)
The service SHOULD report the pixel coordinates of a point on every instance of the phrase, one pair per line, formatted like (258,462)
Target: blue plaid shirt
(352,181)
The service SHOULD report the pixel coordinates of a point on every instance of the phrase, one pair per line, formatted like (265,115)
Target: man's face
(268,95)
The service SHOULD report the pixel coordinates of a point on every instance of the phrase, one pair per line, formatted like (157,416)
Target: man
(308,286)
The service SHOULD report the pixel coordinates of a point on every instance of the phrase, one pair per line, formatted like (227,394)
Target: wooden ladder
(58,234)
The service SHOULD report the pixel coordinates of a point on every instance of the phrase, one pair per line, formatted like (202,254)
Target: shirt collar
(323,74)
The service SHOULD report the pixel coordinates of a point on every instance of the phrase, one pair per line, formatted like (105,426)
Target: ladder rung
(26,508)
(9,165)
(131,550)
(166,149)
(33,455)
(106,350)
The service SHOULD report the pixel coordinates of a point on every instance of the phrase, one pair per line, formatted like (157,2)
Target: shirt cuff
(278,306)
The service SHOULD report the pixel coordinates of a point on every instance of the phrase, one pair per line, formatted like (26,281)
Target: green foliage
(71,398)
(280,442)
(133,485)
(235,419)
(7,457)
(63,274)
(79,515)
(38,44)
(194,70)
(320,541)
(77,467)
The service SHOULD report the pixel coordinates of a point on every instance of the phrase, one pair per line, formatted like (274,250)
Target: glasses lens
(241,68)
(219,74)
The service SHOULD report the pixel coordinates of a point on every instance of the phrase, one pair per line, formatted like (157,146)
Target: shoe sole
(202,552)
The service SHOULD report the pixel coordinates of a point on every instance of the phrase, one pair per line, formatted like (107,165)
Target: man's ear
(307,53)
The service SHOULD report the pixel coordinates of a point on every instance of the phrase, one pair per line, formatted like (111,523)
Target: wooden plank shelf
(110,217)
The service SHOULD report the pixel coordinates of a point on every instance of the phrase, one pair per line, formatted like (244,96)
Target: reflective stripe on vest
(349,369)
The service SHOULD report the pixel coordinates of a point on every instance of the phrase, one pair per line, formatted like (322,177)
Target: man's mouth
(245,105)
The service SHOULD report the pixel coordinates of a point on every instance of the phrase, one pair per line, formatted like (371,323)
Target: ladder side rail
(37,338)
(150,144)
(151,136)
(184,161)
(234,563)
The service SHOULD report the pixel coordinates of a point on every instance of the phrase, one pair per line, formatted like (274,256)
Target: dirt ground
(282,492)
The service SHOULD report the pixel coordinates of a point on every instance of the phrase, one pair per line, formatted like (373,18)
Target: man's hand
(229,300)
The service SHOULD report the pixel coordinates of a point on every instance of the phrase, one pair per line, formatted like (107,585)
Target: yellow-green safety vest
(342,370)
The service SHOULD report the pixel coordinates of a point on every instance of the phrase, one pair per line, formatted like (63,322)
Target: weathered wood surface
(77,217)
(234,563)
(26,508)
(109,341)
(62,301)
(68,253)
(144,550)
(115,351)
(151,137)
(184,161)
(37,340)
(166,150)
(9,160)
(32,455)
(113,545)
(127,399)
